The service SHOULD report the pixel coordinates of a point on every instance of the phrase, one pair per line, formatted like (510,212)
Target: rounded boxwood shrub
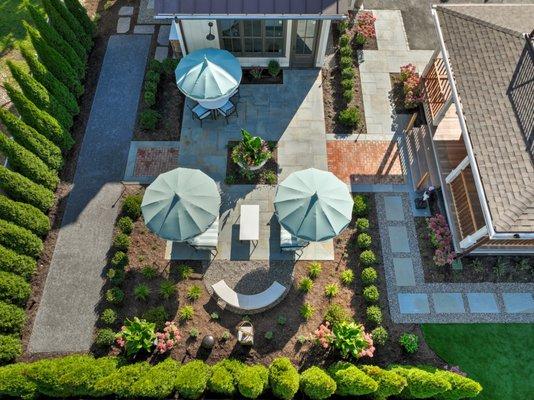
(461,386)
(364,241)
(119,260)
(14,382)
(150,98)
(32,140)
(157,382)
(20,239)
(317,384)
(283,378)
(345,62)
(49,81)
(273,67)
(80,13)
(348,95)
(27,163)
(367,258)
(109,316)
(131,206)
(369,275)
(148,119)
(371,294)
(362,224)
(20,188)
(169,65)
(121,381)
(374,314)
(12,318)
(155,65)
(350,116)
(345,51)
(223,380)
(24,215)
(121,242)
(192,379)
(252,381)
(40,120)
(421,384)
(13,289)
(336,313)
(115,295)
(380,335)
(350,380)
(105,337)
(389,382)
(10,348)
(347,73)
(11,261)
(347,84)
(360,207)
(344,40)
(125,224)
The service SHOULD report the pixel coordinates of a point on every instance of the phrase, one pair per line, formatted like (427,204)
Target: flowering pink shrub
(365,25)
(411,86)
(166,340)
(324,335)
(441,239)
(369,351)
(349,338)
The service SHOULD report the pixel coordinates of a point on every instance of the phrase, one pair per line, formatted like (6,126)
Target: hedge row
(11,261)
(84,376)
(79,12)
(20,239)
(20,188)
(72,23)
(24,215)
(13,289)
(12,318)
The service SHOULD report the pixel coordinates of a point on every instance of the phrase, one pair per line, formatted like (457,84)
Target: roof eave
(332,17)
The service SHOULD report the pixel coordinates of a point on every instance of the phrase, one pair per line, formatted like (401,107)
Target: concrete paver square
(394,209)
(162,52)
(518,302)
(398,239)
(482,303)
(404,274)
(123,24)
(448,303)
(163,35)
(126,11)
(413,303)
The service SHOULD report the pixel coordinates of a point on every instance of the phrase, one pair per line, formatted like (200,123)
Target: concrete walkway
(411,299)
(66,315)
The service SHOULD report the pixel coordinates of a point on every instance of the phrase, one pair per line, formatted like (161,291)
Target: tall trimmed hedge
(252,381)
(72,22)
(38,95)
(223,379)
(54,86)
(11,261)
(317,384)
(54,39)
(13,289)
(80,13)
(20,239)
(24,215)
(12,318)
(54,61)
(158,381)
(27,163)
(39,119)
(32,140)
(422,384)
(350,380)
(20,188)
(283,378)
(192,379)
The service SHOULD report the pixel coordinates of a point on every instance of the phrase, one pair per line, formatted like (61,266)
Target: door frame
(293,63)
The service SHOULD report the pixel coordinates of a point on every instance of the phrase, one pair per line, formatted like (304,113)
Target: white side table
(249,223)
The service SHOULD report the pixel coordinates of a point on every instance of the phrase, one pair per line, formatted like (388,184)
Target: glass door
(304,40)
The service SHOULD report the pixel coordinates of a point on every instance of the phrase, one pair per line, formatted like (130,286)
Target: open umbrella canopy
(208,74)
(181,204)
(313,205)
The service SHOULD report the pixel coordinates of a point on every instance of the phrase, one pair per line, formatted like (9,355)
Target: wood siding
(437,89)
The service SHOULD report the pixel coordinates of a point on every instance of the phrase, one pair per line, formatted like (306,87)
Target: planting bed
(266,175)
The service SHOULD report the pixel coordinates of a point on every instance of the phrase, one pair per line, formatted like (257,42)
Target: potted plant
(252,152)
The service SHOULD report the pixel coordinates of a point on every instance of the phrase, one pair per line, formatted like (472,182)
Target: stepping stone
(482,303)
(162,52)
(518,302)
(394,210)
(404,275)
(448,303)
(413,303)
(126,11)
(123,24)
(398,239)
(144,29)
(163,35)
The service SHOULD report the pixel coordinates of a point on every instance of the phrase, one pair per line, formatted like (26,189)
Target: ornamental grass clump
(305,285)
(314,269)
(306,311)
(347,277)
(186,313)
(331,290)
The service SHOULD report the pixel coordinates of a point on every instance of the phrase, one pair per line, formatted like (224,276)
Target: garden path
(66,314)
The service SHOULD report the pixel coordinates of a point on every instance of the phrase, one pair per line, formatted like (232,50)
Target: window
(253,37)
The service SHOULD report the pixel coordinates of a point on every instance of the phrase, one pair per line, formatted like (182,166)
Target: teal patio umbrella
(181,204)
(313,205)
(208,74)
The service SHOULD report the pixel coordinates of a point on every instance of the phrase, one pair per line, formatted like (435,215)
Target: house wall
(194,33)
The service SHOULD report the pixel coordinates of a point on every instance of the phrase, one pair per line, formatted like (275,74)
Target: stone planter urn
(252,167)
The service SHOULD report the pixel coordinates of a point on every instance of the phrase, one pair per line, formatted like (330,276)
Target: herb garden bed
(266,175)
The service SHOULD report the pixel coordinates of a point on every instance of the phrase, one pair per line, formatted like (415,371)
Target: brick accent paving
(367,162)
(152,161)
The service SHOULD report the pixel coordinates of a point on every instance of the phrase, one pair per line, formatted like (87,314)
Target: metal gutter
(251,16)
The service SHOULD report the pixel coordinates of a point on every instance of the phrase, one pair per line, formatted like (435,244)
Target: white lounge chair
(207,240)
(248,302)
(288,242)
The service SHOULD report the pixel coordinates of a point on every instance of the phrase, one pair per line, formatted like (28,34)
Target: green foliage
(364,241)
(281,320)
(13,289)
(54,86)
(331,290)
(223,380)
(192,379)
(148,271)
(105,337)
(409,342)
(344,40)
(193,333)
(306,311)
(370,294)
(350,116)
(121,242)
(349,338)
(186,313)
(158,381)
(361,206)
(11,261)
(119,260)
(141,292)
(24,215)
(269,335)
(346,62)
(305,284)
(374,315)
(389,382)
(169,65)
(367,258)
(314,269)
(115,276)
(20,188)
(32,140)
(156,315)
(71,22)
(20,239)
(252,381)
(336,314)
(421,384)
(274,68)
(317,384)
(125,224)
(155,65)
(109,316)
(461,387)
(131,206)
(167,289)
(38,95)
(14,383)
(194,292)
(379,335)
(12,318)
(115,295)
(150,99)
(138,334)
(350,380)
(345,51)
(283,378)
(347,84)
(369,275)
(184,272)
(347,277)
(251,150)
(348,95)
(347,73)
(121,381)
(148,119)
(40,120)
(27,163)
(343,26)
(362,224)
(80,13)
(10,348)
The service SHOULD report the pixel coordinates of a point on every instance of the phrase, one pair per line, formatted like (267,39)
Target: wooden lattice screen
(436,87)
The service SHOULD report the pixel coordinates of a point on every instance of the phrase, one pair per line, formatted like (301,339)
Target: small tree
(20,188)
(80,13)
(71,22)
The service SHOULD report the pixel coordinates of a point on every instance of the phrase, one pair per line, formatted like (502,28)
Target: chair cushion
(288,241)
(200,111)
(226,108)
(207,239)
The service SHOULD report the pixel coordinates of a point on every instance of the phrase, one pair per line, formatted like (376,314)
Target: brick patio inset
(365,162)
(152,161)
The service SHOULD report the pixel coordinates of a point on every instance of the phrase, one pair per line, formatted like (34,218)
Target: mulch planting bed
(266,175)
(475,268)
(265,79)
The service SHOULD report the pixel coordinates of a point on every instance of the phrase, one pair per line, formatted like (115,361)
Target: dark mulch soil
(147,249)
(475,268)
(234,173)
(266,78)
(397,95)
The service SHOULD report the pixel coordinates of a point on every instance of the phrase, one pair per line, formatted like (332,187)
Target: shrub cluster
(11,261)
(148,118)
(24,215)
(12,318)
(13,289)
(20,239)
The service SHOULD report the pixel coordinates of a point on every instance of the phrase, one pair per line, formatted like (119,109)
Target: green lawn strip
(499,356)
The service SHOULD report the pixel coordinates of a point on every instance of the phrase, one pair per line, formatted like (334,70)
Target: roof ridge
(449,9)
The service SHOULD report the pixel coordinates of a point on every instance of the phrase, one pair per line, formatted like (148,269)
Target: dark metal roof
(225,8)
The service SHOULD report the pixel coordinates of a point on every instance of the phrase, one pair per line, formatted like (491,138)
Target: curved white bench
(249,302)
